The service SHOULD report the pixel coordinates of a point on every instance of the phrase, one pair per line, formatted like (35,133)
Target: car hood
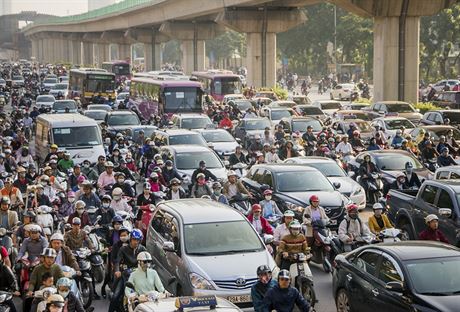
(45,103)
(330,112)
(347,185)
(422,173)
(441,303)
(328,198)
(230,267)
(224,147)
(250,133)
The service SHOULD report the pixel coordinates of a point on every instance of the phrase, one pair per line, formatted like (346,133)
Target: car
(64,106)
(355,106)
(48,83)
(96,114)
(329,107)
(121,120)
(45,101)
(177,136)
(300,124)
(248,128)
(276,114)
(343,91)
(352,114)
(395,108)
(336,175)
(134,131)
(300,99)
(121,97)
(192,121)
(261,101)
(241,104)
(310,111)
(440,85)
(389,125)
(99,107)
(448,99)
(195,304)
(2,82)
(223,143)
(59,88)
(447,173)
(208,248)
(437,117)
(17,81)
(292,187)
(398,277)
(436,131)
(186,159)
(231,97)
(364,127)
(267,94)
(264,110)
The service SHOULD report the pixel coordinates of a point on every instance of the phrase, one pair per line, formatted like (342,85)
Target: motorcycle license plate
(239,299)
(333,222)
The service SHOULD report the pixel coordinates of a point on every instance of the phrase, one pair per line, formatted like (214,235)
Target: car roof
(94,111)
(436,127)
(327,101)
(391,102)
(121,112)
(181,148)
(379,152)
(284,167)
(209,130)
(391,118)
(414,250)
(175,131)
(202,211)
(312,159)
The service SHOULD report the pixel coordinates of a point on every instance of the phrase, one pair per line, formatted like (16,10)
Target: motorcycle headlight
(199,282)
(294,207)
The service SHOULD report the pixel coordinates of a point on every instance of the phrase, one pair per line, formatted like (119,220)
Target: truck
(407,209)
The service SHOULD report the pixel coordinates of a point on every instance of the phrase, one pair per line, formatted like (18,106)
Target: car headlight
(199,282)
(294,207)
(357,191)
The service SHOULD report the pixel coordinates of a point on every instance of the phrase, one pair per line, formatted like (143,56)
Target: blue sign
(193,302)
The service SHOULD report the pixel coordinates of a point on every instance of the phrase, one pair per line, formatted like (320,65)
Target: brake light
(388,197)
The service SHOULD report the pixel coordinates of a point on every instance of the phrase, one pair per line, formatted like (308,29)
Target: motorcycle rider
(269,206)
(89,172)
(202,169)
(72,302)
(260,288)
(145,279)
(234,186)
(344,148)
(89,197)
(259,223)
(313,212)
(412,179)
(352,229)
(76,238)
(80,213)
(175,190)
(282,297)
(217,193)
(66,163)
(169,172)
(356,141)
(34,244)
(432,232)
(48,265)
(122,168)
(283,229)
(445,159)
(120,183)
(8,283)
(397,139)
(28,217)
(310,140)
(237,157)
(200,188)
(366,169)
(8,218)
(22,181)
(106,178)
(64,255)
(379,221)
(12,193)
(294,242)
(54,303)
(428,151)
(105,211)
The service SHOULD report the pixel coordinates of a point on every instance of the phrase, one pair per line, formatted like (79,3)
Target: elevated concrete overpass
(86,38)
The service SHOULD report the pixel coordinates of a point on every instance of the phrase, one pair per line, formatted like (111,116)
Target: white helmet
(430,218)
(117,191)
(80,204)
(57,236)
(144,256)
(377,206)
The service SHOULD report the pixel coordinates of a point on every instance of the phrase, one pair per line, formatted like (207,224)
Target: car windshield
(398,123)
(63,105)
(102,85)
(123,120)
(217,136)
(354,115)
(77,137)
(331,105)
(196,123)
(299,100)
(301,125)
(217,238)
(435,276)
(329,169)
(17,78)
(280,114)
(95,115)
(363,126)
(311,110)
(400,108)
(295,181)
(46,98)
(122,69)
(257,124)
(187,139)
(103,107)
(191,161)
(59,86)
(50,80)
(396,162)
(243,105)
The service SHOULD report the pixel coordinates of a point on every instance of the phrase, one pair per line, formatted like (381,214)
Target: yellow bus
(86,83)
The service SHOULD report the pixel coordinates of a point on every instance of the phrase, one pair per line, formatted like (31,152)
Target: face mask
(217,192)
(105,205)
(116,197)
(55,309)
(24,154)
(64,294)
(86,166)
(378,213)
(353,216)
(124,239)
(121,180)
(169,168)
(201,182)
(71,199)
(116,154)
(268,198)
(80,211)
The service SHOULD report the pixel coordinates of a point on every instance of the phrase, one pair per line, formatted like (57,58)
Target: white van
(77,134)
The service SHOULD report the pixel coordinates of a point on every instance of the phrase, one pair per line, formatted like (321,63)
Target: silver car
(45,101)
(209,248)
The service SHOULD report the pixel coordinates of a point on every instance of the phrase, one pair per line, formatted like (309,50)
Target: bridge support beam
(87,54)
(261,27)
(152,40)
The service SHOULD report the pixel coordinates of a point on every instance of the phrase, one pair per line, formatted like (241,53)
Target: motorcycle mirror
(130,285)
(268,239)
(445,212)
(351,174)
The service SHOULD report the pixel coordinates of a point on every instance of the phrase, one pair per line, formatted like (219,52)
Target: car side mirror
(238,140)
(336,185)
(395,286)
(268,239)
(226,164)
(445,212)
(168,246)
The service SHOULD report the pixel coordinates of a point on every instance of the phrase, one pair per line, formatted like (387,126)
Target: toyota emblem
(240,282)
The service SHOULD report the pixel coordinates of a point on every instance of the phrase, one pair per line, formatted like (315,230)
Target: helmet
(263,269)
(289,213)
(377,206)
(57,236)
(444,149)
(117,218)
(294,225)
(231,173)
(409,165)
(256,207)
(157,170)
(29,213)
(144,256)
(430,218)
(154,175)
(398,132)
(56,300)
(5,200)
(352,207)
(118,174)
(106,197)
(64,281)
(268,192)
(355,132)
(200,175)
(169,163)
(108,164)
(80,179)
(137,234)
(80,204)
(49,252)
(284,274)
(117,191)
(216,185)
(33,228)
(314,198)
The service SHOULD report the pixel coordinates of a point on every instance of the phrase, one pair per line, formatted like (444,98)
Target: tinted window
(400,108)
(295,181)
(268,178)
(77,137)
(189,161)
(444,200)
(454,175)
(396,162)
(196,123)
(388,272)
(187,139)
(429,194)
(443,175)
(367,262)
(123,120)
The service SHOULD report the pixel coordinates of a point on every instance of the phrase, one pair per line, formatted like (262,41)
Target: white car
(223,143)
(439,86)
(389,125)
(63,88)
(121,98)
(231,97)
(45,101)
(329,107)
(343,91)
(275,114)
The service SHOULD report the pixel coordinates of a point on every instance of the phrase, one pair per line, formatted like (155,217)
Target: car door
(361,279)
(447,224)
(254,181)
(384,299)
(423,206)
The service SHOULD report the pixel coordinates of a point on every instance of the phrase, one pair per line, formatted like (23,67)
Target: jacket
(291,244)
(127,256)
(266,227)
(234,159)
(283,300)
(12,218)
(75,241)
(433,235)
(258,291)
(84,218)
(307,221)
(207,174)
(73,303)
(37,273)
(239,185)
(181,193)
(355,227)
(68,259)
(145,282)
(8,281)
(374,226)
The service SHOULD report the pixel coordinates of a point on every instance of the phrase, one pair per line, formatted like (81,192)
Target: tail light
(388,197)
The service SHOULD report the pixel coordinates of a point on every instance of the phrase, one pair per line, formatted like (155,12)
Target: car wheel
(342,301)
(406,231)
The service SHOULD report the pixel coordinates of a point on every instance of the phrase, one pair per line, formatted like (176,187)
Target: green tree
(172,53)
(225,45)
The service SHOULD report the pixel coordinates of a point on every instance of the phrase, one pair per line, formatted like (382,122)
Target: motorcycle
(7,242)
(45,219)
(85,280)
(391,235)
(324,246)
(133,300)
(301,277)
(5,296)
(128,219)
(373,187)
(241,203)
(431,164)
(71,274)
(25,272)
(40,297)
(97,262)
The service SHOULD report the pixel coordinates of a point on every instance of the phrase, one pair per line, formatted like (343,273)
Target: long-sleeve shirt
(433,235)
(283,300)
(145,282)
(76,240)
(352,226)
(33,247)
(8,281)
(258,291)
(106,179)
(127,256)
(37,273)
(91,201)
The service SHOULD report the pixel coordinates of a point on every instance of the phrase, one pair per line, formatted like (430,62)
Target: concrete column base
(124,51)
(386,56)
(257,76)
(189,58)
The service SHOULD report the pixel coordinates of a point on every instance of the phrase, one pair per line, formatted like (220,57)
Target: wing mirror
(445,212)
(268,239)
(395,286)
(336,185)
(168,246)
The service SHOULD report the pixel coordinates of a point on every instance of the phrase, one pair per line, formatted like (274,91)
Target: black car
(398,277)
(292,187)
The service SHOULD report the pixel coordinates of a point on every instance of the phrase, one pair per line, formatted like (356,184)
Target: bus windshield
(227,85)
(121,69)
(77,136)
(182,98)
(104,86)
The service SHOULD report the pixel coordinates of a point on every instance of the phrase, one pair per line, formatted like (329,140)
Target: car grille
(333,212)
(237,284)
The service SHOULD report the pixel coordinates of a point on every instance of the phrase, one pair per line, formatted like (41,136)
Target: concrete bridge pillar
(40,53)
(152,56)
(87,53)
(193,55)
(35,48)
(261,27)
(75,51)
(102,53)
(124,51)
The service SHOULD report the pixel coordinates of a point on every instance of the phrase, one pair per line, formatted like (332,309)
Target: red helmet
(256,207)
(314,198)
(356,132)
(352,207)
(268,192)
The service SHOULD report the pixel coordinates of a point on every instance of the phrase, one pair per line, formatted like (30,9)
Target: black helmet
(284,274)
(263,269)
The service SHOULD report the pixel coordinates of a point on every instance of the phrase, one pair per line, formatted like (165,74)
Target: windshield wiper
(435,294)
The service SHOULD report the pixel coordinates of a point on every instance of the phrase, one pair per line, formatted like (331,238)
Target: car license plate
(333,222)
(239,299)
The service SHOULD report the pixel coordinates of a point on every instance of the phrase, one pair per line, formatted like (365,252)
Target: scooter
(374,187)
(391,235)
(241,203)
(27,267)
(5,296)
(432,164)
(301,277)
(97,263)
(133,300)
(85,280)
(7,242)
(324,243)
(42,295)
(45,219)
